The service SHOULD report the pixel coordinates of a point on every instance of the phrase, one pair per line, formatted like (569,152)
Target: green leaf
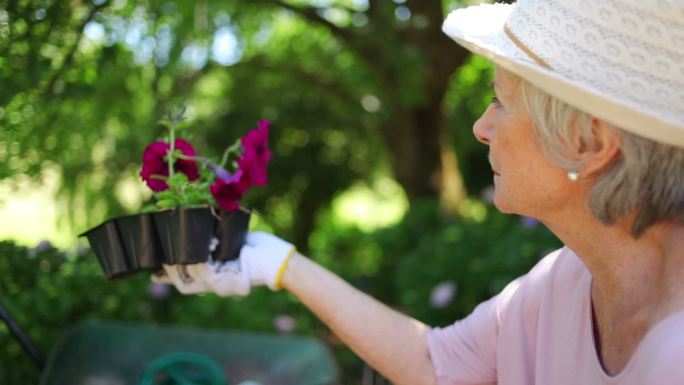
(149,208)
(166,203)
(166,194)
(177,181)
(177,154)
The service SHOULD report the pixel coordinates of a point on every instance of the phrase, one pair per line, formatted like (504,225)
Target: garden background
(375,172)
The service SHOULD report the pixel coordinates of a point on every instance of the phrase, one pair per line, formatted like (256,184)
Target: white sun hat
(618,60)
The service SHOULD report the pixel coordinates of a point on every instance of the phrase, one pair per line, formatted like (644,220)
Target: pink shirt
(538,330)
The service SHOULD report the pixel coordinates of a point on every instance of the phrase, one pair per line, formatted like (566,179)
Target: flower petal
(228,192)
(154,164)
(186,166)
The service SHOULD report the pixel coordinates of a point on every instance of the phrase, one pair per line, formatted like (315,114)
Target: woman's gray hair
(647,179)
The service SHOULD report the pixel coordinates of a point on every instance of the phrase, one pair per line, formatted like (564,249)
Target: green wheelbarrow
(115,353)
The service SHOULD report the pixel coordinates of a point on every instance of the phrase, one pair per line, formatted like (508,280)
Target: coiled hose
(183,368)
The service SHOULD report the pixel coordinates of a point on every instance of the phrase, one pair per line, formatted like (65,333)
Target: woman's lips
(491,165)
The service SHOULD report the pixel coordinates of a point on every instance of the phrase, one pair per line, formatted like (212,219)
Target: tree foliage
(353,88)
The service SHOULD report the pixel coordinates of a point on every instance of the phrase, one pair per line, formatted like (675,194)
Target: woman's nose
(482,128)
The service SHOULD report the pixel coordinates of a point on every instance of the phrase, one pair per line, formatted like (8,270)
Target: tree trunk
(423,158)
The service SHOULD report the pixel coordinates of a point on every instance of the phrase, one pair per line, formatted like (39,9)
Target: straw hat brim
(480,29)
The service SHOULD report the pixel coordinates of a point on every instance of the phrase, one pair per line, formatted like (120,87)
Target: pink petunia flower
(443,294)
(284,323)
(228,192)
(256,156)
(158,290)
(154,163)
(186,166)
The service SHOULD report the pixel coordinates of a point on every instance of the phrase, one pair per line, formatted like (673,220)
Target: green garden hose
(183,368)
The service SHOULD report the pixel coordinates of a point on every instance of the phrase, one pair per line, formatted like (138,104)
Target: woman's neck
(636,281)
(630,275)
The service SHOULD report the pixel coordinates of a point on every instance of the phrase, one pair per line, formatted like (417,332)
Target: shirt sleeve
(464,353)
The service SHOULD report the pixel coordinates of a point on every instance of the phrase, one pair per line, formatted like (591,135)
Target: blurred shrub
(462,262)
(47,292)
(433,267)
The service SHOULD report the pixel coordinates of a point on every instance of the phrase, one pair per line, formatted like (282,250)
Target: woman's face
(525,180)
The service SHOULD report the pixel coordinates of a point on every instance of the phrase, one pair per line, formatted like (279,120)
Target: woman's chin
(502,204)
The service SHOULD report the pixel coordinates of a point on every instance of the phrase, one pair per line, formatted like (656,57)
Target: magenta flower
(228,192)
(229,186)
(186,166)
(256,156)
(154,163)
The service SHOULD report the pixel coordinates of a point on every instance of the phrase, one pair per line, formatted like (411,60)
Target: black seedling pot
(106,243)
(140,241)
(129,244)
(231,230)
(189,235)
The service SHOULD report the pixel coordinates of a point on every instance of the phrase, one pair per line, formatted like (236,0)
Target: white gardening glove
(264,256)
(224,279)
(262,261)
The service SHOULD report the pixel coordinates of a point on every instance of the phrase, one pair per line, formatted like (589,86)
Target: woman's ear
(601,150)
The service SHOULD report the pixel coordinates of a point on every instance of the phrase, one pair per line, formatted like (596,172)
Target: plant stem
(235,147)
(172,139)
(188,157)
(172,142)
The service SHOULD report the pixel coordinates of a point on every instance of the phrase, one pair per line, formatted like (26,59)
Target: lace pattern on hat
(610,56)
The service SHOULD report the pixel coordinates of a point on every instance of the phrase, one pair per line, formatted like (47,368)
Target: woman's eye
(496,102)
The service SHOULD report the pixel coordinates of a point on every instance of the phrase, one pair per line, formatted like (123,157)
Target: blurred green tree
(354,88)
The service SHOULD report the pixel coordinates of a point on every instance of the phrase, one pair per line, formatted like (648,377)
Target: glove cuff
(278,281)
(265,258)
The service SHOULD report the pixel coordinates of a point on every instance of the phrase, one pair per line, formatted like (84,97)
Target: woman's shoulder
(559,267)
(555,277)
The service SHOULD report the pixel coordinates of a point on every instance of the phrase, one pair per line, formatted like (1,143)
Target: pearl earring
(573,176)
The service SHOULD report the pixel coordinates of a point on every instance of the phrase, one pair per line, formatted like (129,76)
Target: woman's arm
(392,343)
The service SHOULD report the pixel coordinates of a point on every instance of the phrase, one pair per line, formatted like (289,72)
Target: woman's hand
(262,261)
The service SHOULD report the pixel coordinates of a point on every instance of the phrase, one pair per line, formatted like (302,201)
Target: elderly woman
(586,133)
